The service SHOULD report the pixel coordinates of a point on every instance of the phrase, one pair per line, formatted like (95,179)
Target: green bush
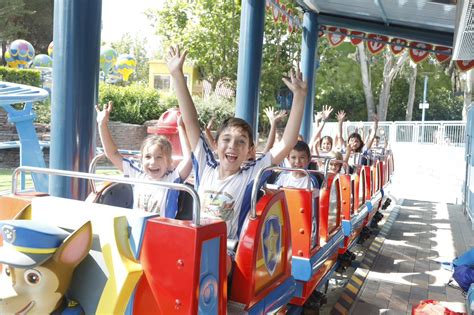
(219,108)
(133,104)
(21,76)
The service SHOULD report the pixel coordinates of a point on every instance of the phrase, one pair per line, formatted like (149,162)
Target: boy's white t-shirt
(149,197)
(287,179)
(223,199)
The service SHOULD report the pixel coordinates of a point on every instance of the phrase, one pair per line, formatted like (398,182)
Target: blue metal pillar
(75,87)
(252,23)
(308,65)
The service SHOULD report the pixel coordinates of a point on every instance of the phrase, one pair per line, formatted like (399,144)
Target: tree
(208,29)
(135,47)
(411,78)
(366,82)
(32,21)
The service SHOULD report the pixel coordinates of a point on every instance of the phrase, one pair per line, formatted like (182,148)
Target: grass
(6,177)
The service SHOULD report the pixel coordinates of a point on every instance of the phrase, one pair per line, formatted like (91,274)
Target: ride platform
(408,261)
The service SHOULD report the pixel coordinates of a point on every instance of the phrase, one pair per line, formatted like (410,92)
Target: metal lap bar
(181,187)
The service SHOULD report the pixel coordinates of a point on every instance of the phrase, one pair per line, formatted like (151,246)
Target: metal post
(252,23)
(308,57)
(75,87)
(425,86)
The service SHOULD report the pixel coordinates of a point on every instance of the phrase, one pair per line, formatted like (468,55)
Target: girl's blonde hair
(161,141)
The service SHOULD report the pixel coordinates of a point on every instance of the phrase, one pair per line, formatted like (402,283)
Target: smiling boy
(221,184)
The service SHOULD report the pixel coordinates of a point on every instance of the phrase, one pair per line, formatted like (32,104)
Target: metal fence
(433,132)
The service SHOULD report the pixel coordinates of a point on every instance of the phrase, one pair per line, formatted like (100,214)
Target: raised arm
(339,139)
(320,122)
(290,135)
(273,117)
(110,148)
(185,166)
(208,133)
(186,104)
(373,133)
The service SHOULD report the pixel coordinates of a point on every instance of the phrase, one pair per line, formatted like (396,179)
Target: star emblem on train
(271,243)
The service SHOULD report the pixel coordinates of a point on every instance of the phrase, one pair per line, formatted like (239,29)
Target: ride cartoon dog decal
(38,261)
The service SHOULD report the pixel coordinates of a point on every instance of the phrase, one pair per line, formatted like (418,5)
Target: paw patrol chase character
(38,263)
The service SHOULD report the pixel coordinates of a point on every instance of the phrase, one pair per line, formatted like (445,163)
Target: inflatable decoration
(50,49)
(22,52)
(108,58)
(42,60)
(10,61)
(38,262)
(126,65)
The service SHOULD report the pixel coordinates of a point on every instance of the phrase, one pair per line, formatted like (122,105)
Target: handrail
(49,171)
(253,205)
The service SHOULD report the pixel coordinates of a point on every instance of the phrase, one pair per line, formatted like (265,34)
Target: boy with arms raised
(221,185)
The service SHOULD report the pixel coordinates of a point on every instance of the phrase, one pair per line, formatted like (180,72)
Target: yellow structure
(160,79)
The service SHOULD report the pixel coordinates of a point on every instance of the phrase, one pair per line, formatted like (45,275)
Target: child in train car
(299,157)
(222,184)
(155,164)
(355,144)
(336,165)
(317,144)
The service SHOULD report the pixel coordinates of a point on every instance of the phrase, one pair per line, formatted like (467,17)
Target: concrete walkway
(408,267)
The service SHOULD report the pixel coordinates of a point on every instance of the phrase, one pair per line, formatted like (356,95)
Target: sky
(125,16)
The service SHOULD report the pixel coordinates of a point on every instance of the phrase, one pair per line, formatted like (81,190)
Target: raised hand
(103,115)
(319,116)
(175,60)
(341,115)
(327,110)
(296,84)
(209,125)
(274,116)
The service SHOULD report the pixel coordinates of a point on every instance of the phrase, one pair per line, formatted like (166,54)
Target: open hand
(327,110)
(274,116)
(103,115)
(175,59)
(296,84)
(341,115)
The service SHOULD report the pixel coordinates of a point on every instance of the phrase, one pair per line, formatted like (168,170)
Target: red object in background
(432,307)
(167,126)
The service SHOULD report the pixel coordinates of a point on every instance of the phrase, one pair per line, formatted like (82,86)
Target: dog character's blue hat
(28,243)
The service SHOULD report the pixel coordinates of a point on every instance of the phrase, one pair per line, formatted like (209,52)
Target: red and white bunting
(443,57)
(465,65)
(276,10)
(418,55)
(378,44)
(336,36)
(397,45)
(290,21)
(322,28)
(267,4)
(283,13)
(356,37)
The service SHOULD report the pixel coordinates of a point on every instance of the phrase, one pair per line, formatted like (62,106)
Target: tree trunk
(411,92)
(467,92)
(367,86)
(391,68)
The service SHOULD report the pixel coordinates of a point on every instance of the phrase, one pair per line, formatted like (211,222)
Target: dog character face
(35,276)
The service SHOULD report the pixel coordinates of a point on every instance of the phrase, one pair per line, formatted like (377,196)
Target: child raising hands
(222,184)
(155,164)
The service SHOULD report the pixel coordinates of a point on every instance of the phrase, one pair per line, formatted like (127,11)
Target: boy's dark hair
(238,123)
(356,135)
(302,146)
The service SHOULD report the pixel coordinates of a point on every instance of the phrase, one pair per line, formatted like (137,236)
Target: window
(162,82)
(333,206)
